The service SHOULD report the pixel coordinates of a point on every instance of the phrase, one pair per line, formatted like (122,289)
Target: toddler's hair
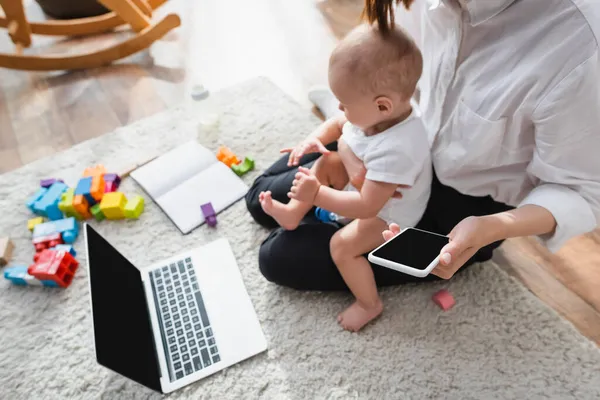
(382,12)
(378,63)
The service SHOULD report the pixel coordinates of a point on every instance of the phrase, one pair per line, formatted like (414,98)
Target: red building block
(57,266)
(46,242)
(444,299)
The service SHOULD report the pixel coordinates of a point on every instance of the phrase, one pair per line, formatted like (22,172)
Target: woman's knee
(254,207)
(270,258)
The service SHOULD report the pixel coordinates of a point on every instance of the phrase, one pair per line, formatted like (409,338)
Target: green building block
(97,212)
(243,167)
(66,205)
(134,207)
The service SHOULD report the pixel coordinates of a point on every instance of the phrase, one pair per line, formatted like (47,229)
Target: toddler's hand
(305,186)
(310,145)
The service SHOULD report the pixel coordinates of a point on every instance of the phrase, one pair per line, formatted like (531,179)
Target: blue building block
(47,205)
(37,196)
(18,276)
(84,188)
(67,227)
(67,248)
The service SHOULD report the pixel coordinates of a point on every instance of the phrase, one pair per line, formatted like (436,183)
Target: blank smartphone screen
(413,248)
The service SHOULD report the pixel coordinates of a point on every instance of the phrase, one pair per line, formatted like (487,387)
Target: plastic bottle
(328,216)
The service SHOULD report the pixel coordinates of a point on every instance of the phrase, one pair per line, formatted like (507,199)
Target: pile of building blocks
(6,249)
(228,157)
(444,299)
(58,208)
(209,214)
(94,196)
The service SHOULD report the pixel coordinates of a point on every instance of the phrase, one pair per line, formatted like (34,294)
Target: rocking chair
(136,13)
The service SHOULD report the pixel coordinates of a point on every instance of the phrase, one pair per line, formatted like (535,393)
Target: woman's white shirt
(510,96)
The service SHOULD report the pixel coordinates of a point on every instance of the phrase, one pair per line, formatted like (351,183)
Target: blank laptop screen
(122,328)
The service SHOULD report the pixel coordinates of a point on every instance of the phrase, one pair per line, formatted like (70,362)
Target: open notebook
(186,177)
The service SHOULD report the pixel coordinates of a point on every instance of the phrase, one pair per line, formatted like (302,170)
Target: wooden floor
(219,44)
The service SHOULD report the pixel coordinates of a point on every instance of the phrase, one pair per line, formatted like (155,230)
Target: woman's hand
(305,186)
(309,145)
(470,235)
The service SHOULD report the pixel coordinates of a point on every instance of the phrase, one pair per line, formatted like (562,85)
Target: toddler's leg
(347,248)
(329,170)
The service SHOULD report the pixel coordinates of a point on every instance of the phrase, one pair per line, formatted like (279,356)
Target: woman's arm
(474,233)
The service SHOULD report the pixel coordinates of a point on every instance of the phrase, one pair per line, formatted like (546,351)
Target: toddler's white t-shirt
(401,155)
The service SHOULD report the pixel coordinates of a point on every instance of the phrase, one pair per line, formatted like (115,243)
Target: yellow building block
(66,205)
(113,205)
(134,207)
(33,222)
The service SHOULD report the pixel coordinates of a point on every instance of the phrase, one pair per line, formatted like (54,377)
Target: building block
(81,206)
(35,198)
(65,247)
(61,247)
(97,213)
(94,171)
(57,266)
(243,168)
(45,242)
(46,183)
(33,222)
(66,205)
(97,188)
(84,188)
(111,183)
(113,205)
(47,205)
(67,227)
(112,178)
(209,214)
(444,299)
(110,187)
(6,250)
(227,157)
(134,207)
(18,276)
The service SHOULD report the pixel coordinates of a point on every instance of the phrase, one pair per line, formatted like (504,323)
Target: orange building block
(94,171)
(81,206)
(57,266)
(227,157)
(97,189)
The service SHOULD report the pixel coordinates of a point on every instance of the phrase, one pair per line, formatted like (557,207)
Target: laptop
(172,323)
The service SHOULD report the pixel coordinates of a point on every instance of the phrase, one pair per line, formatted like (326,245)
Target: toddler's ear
(385,105)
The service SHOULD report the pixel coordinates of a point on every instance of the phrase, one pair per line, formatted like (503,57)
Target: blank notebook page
(183,179)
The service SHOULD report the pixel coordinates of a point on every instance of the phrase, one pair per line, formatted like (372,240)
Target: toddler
(374,77)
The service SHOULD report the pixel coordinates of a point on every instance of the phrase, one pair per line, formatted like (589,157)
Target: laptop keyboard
(185,328)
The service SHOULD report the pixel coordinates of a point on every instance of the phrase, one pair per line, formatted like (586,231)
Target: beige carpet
(498,342)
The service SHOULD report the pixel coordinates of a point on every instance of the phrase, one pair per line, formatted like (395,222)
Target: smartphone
(413,251)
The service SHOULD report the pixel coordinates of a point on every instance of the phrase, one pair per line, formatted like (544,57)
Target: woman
(510,94)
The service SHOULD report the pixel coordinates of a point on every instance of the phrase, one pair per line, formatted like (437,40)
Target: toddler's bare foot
(285,217)
(358,315)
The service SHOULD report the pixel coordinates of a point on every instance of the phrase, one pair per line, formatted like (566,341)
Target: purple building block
(46,183)
(209,214)
(112,178)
